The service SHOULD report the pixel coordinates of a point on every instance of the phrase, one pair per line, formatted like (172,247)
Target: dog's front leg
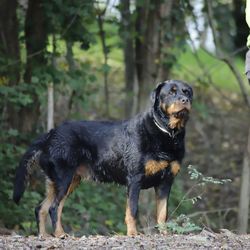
(134,187)
(162,196)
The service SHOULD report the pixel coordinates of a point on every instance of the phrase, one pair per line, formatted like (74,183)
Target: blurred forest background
(77,59)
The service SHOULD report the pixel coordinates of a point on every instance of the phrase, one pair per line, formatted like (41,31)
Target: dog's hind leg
(63,181)
(134,186)
(41,211)
(59,232)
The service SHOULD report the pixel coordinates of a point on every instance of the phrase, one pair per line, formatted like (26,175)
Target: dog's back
(74,144)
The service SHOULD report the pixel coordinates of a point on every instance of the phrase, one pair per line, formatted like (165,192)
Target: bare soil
(205,240)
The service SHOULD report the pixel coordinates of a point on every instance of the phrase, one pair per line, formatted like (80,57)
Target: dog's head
(172,100)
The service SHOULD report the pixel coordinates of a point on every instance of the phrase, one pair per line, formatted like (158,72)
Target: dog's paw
(43,236)
(61,235)
(163,232)
(132,232)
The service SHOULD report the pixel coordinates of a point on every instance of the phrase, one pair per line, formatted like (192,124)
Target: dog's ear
(156,91)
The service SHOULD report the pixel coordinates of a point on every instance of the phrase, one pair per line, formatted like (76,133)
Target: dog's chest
(153,166)
(163,157)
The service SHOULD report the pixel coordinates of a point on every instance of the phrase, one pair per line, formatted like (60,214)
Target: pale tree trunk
(50,90)
(100,21)
(243,211)
(50,117)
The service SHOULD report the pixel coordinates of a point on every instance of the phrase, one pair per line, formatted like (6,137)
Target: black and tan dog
(140,153)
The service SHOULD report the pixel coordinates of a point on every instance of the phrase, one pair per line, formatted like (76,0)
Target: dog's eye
(172,91)
(186,92)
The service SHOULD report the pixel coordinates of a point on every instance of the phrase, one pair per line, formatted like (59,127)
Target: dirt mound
(204,240)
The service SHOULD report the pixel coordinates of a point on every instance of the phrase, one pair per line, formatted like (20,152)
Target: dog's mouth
(181,113)
(177,109)
(178,114)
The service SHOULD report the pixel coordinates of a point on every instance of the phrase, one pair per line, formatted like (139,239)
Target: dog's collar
(163,129)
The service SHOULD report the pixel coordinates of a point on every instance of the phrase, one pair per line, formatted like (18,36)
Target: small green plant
(200,181)
(203,180)
(180,225)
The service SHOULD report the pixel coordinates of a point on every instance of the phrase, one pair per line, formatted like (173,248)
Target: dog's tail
(29,160)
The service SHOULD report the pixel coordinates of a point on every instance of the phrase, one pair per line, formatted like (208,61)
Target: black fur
(112,151)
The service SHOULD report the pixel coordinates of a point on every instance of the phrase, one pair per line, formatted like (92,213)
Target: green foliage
(176,194)
(69,19)
(181,225)
(16,95)
(92,209)
(200,183)
(12,215)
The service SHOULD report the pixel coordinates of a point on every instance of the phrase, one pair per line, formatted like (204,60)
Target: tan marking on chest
(176,122)
(175,167)
(152,167)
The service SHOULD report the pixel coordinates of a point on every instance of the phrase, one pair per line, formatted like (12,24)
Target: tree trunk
(149,44)
(72,67)
(70,55)
(242,30)
(50,115)
(9,44)
(129,57)
(36,40)
(9,54)
(244,191)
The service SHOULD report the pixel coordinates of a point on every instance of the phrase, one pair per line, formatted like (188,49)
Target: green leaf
(12,132)
(34,79)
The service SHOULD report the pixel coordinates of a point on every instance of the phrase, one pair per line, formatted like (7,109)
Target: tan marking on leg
(75,183)
(152,167)
(43,212)
(161,212)
(59,232)
(175,167)
(130,221)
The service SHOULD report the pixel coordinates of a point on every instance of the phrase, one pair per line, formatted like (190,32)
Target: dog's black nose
(184,100)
